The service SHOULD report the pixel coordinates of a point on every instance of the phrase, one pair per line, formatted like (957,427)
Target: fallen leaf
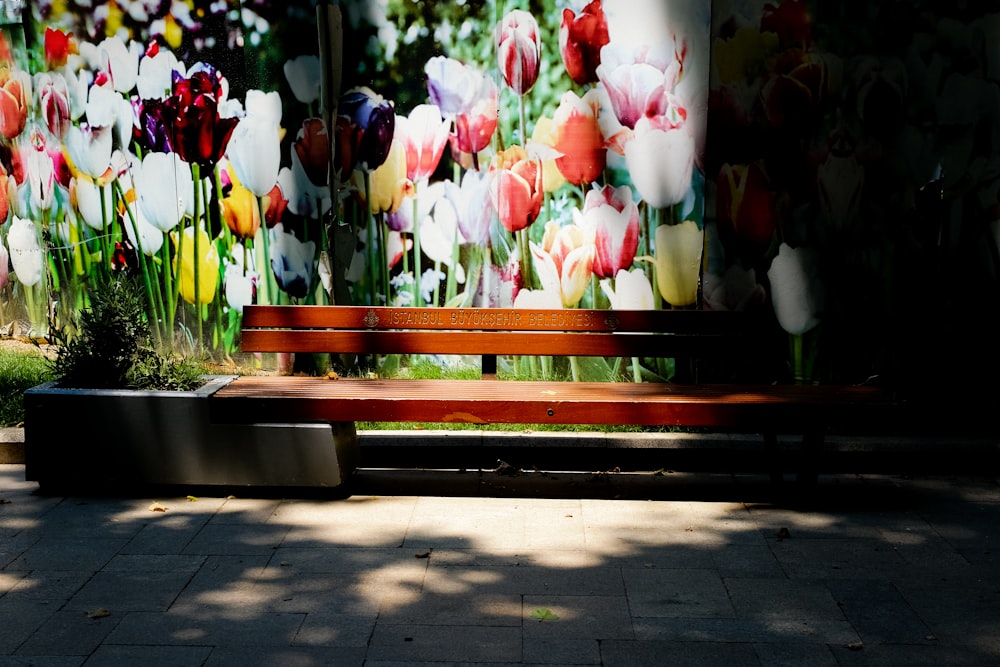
(855,646)
(783,534)
(426,554)
(157,507)
(332,376)
(192,499)
(98,613)
(543,614)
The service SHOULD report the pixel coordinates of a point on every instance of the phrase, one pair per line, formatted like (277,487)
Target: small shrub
(112,347)
(19,370)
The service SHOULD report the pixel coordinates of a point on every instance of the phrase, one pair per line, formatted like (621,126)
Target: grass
(19,371)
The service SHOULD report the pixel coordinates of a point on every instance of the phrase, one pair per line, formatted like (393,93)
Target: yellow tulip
(389,184)
(208,266)
(678,262)
(545,134)
(241,211)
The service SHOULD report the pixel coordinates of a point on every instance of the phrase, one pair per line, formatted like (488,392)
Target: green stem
(153,305)
(417,300)
(372,248)
(196,169)
(636,370)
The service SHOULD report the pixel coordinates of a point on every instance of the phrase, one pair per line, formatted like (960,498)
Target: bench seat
(780,408)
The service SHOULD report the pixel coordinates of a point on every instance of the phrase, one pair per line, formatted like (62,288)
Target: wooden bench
(761,408)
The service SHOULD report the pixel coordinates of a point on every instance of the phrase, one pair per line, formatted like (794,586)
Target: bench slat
(492,319)
(772,408)
(482,342)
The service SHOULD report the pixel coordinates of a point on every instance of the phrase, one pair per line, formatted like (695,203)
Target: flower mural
(570,153)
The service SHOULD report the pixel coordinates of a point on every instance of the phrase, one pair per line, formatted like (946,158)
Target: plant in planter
(111,346)
(121,413)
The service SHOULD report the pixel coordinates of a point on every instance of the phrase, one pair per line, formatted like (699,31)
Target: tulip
(516,188)
(745,206)
(519,50)
(841,181)
(389,185)
(112,56)
(467,96)
(302,197)
(579,138)
(240,211)
(89,149)
(303,76)
(92,201)
(26,254)
(614,217)
(57,46)
(544,138)
(53,100)
(678,262)
(631,291)
(570,277)
(152,132)
(207,269)
(274,205)
(312,148)
(196,130)
(364,130)
(164,188)
(660,161)
(581,38)
(796,293)
(291,261)
(41,178)
(737,289)
(254,150)
(424,134)
(156,73)
(474,129)
(240,285)
(147,236)
(4,261)
(474,210)
(637,81)
(5,183)
(15,100)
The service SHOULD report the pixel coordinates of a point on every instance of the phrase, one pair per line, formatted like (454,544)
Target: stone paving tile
(286,656)
(485,609)
(792,609)
(743,560)
(354,522)
(528,580)
(137,583)
(785,654)
(879,613)
(20,620)
(687,629)
(42,661)
(161,656)
(87,554)
(52,586)
(561,651)
(677,593)
(415,643)
(223,584)
(863,558)
(167,535)
(206,629)
(690,654)
(246,511)
(335,628)
(69,633)
(579,617)
(235,540)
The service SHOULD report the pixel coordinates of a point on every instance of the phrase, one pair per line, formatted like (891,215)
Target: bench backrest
(489,331)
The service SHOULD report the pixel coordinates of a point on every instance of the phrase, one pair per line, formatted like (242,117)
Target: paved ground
(868,571)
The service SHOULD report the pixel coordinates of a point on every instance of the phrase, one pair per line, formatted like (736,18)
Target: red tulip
(580,40)
(519,50)
(578,137)
(615,218)
(312,146)
(191,118)
(58,46)
(745,205)
(516,188)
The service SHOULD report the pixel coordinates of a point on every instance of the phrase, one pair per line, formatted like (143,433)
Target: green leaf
(543,614)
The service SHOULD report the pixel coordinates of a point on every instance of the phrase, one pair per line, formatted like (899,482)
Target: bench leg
(810,454)
(773,456)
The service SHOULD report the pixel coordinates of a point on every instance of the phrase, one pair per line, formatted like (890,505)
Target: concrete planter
(93,439)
